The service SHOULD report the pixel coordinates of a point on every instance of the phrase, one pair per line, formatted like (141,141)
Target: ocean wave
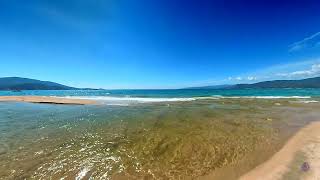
(268,97)
(114,100)
(208,97)
(127,100)
(305,102)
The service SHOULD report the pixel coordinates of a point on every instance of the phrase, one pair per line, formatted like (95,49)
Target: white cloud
(251,78)
(308,42)
(239,78)
(296,70)
(314,70)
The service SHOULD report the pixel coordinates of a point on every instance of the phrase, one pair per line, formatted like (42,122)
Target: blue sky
(159,44)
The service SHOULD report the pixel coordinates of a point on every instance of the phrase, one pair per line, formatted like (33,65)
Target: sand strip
(46,99)
(306,141)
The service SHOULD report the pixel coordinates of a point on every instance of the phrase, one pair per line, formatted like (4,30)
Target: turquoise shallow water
(186,137)
(41,141)
(176,93)
(176,140)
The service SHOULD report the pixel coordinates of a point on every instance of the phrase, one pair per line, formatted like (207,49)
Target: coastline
(287,162)
(272,162)
(47,100)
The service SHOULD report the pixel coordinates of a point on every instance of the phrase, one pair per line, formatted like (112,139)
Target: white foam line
(125,101)
(117,104)
(306,102)
(129,99)
(268,97)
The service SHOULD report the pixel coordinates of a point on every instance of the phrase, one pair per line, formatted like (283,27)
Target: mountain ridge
(19,83)
(302,83)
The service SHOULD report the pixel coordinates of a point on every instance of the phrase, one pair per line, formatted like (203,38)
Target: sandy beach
(303,147)
(46,99)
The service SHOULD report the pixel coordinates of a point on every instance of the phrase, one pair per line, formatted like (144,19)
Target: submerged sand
(46,99)
(303,147)
(203,139)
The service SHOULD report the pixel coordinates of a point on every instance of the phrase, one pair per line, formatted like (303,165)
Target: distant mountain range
(17,83)
(303,83)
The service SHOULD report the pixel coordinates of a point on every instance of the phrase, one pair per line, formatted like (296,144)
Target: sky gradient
(159,44)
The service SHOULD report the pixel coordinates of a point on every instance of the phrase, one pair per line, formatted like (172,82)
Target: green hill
(17,83)
(303,83)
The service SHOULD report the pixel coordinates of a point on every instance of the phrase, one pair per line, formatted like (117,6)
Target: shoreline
(284,164)
(302,146)
(47,100)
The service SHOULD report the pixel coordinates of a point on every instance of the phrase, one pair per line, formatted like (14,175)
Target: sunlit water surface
(149,140)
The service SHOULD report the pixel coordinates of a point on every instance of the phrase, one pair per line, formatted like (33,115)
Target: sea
(167,95)
(149,134)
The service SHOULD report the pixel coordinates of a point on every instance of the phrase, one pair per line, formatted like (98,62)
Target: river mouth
(203,138)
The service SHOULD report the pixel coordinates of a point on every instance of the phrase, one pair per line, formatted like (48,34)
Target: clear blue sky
(159,44)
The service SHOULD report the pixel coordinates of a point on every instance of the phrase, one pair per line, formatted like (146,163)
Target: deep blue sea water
(170,93)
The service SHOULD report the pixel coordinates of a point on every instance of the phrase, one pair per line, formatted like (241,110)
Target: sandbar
(47,100)
(283,164)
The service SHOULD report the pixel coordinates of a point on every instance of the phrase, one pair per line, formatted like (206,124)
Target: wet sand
(304,146)
(46,99)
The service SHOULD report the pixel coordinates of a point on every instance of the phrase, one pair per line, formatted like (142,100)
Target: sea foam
(125,101)
(115,100)
(269,97)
